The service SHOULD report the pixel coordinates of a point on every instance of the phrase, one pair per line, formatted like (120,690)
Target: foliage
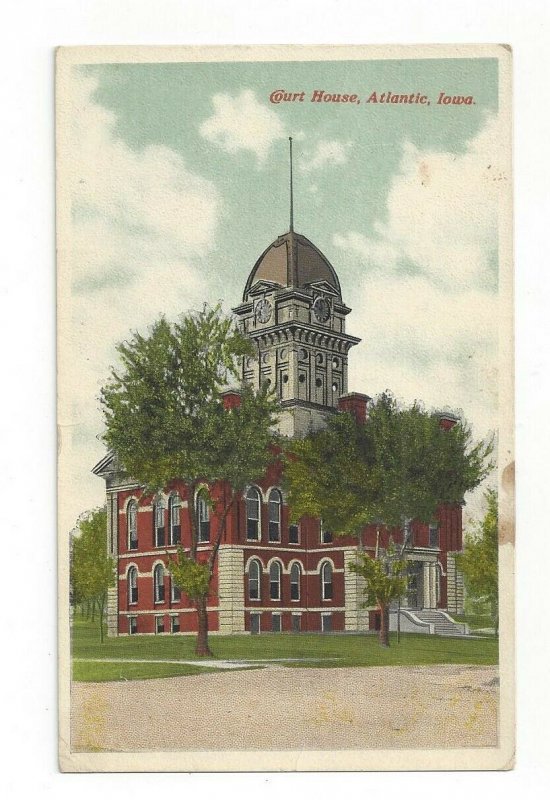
(92,570)
(166,421)
(479,561)
(397,466)
(383,578)
(191,576)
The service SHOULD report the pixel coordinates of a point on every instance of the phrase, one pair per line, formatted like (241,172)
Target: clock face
(263,310)
(321,309)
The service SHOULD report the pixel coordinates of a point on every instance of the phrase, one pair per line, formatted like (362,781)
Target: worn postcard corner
(286,458)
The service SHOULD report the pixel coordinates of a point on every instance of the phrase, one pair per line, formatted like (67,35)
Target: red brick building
(272,575)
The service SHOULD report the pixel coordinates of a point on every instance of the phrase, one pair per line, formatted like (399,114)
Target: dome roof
(293,261)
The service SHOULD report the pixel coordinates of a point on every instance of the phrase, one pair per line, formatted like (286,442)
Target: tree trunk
(101,611)
(384,637)
(201,648)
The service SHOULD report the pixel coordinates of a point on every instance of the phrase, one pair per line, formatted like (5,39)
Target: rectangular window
(296,623)
(132,625)
(176,593)
(326,623)
(159,624)
(434,536)
(254,623)
(326,536)
(174,624)
(293,534)
(276,623)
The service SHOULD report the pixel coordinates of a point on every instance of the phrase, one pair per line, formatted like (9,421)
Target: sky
(178,180)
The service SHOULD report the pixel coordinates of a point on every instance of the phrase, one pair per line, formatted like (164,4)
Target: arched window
(203,511)
(254,580)
(275,502)
(132,586)
(275,581)
(131,514)
(158,519)
(253,513)
(175,519)
(158,581)
(326,581)
(295,581)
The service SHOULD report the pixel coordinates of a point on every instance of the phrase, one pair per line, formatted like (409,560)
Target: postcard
(285,407)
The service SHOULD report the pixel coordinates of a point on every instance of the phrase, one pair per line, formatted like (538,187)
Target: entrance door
(254,623)
(415,585)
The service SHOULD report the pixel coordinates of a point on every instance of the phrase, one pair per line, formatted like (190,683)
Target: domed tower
(293,311)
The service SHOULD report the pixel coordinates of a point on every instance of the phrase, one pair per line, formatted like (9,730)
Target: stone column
(356,617)
(111,611)
(230,589)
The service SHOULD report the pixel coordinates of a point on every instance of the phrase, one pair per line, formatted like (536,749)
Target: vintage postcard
(286,517)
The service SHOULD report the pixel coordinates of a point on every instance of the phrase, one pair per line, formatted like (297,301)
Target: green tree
(166,421)
(479,561)
(92,570)
(384,582)
(398,466)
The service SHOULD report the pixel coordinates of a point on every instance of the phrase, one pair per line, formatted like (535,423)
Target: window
(175,592)
(159,522)
(274,532)
(293,534)
(326,623)
(203,512)
(132,586)
(159,624)
(326,581)
(296,623)
(275,581)
(131,514)
(132,625)
(254,578)
(174,624)
(253,513)
(175,519)
(158,581)
(295,582)
(255,623)
(433,540)
(326,536)
(276,623)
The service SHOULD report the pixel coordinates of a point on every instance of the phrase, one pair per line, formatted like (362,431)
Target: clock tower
(293,311)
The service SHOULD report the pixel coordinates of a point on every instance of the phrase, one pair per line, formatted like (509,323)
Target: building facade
(273,576)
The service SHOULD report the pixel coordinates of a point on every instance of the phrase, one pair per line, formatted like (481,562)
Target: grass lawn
(334,651)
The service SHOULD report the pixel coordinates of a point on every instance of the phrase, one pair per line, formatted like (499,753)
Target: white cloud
(431,332)
(242,123)
(141,222)
(327,152)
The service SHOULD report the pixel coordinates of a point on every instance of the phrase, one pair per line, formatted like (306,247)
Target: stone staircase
(443,624)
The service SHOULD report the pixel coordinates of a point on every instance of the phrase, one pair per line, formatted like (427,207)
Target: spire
(291,188)
(292,271)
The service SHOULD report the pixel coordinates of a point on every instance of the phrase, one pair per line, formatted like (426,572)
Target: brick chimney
(231,398)
(447,421)
(355,404)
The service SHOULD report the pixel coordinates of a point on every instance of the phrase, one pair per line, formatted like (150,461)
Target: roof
(293,261)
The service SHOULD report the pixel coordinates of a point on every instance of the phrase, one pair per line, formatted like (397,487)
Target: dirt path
(291,708)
